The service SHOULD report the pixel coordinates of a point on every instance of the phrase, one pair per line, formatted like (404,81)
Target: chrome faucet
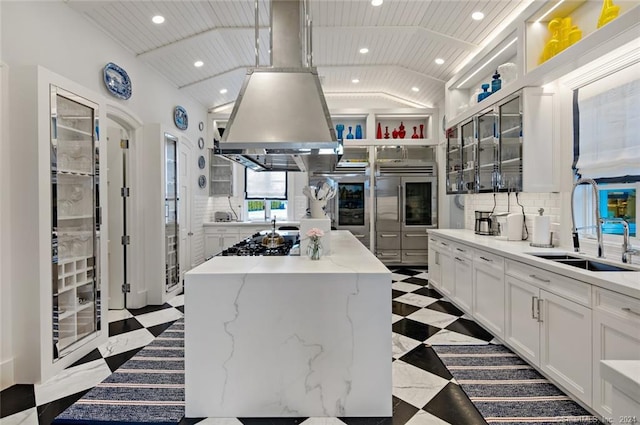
(596,212)
(627,250)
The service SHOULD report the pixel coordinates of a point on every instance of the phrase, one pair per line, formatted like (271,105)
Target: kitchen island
(285,336)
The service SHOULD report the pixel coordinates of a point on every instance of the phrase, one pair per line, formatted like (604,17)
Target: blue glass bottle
(350,135)
(358,131)
(485,93)
(496,83)
(339,130)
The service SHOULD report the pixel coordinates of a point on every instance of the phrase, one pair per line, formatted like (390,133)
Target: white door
(186,180)
(447,278)
(463,282)
(522,329)
(117,224)
(488,296)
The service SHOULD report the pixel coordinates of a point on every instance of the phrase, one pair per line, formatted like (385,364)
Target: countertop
(627,282)
(624,375)
(265,224)
(348,255)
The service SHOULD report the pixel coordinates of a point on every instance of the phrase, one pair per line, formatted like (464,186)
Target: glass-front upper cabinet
(172,267)
(454,161)
(75,221)
(487,151)
(468,136)
(510,139)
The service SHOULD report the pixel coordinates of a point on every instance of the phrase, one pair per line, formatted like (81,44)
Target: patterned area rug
(506,389)
(149,388)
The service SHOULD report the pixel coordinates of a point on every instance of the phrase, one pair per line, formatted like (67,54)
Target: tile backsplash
(504,202)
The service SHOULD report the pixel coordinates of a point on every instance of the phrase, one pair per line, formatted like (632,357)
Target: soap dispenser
(496,83)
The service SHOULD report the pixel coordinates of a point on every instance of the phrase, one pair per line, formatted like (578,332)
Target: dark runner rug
(148,388)
(506,389)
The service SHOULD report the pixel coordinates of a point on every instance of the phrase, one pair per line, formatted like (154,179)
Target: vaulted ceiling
(404,38)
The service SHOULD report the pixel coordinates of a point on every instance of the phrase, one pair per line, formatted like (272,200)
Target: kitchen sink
(584,263)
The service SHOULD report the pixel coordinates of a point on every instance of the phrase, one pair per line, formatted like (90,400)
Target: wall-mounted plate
(180,118)
(202,181)
(117,81)
(201,143)
(201,162)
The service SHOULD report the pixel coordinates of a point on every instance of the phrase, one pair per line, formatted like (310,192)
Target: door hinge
(124,192)
(126,288)
(124,143)
(125,240)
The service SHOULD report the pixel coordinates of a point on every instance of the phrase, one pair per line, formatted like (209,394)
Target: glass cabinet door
(468,156)
(172,269)
(75,222)
(454,161)
(419,201)
(487,152)
(510,138)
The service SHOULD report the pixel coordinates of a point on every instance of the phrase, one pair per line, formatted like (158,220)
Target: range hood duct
(280,120)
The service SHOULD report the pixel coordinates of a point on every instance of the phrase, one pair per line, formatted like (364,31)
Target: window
(266,195)
(618,202)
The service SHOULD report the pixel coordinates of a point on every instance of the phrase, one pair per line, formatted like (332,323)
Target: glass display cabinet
(468,140)
(75,220)
(487,151)
(454,161)
(172,265)
(510,139)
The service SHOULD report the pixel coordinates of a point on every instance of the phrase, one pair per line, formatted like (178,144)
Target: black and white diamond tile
(424,392)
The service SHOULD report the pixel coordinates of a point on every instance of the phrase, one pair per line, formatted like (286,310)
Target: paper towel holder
(543,245)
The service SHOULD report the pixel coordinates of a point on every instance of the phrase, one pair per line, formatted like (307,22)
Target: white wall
(52,35)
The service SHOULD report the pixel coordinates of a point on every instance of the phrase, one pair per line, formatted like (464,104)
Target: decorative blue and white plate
(180,118)
(117,81)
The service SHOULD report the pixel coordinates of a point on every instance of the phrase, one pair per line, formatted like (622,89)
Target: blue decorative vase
(340,130)
(485,93)
(350,135)
(496,83)
(358,131)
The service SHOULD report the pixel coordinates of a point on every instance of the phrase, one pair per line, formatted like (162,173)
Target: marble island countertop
(266,224)
(348,256)
(624,282)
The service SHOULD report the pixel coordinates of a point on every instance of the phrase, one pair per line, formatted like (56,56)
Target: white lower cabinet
(217,239)
(463,276)
(550,331)
(488,291)
(616,336)
(447,277)
(435,272)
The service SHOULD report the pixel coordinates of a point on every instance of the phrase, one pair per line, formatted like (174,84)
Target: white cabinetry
(463,276)
(616,336)
(435,269)
(217,239)
(447,277)
(541,324)
(59,247)
(488,291)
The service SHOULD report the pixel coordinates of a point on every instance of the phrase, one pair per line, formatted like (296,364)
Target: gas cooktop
(253,246)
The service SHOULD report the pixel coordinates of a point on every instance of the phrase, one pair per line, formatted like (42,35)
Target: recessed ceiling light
(158,19)
(223,91)
(477,16)
(376,2)
(364,50)
(198,64)
(439,61)
(355,81)
(416,89)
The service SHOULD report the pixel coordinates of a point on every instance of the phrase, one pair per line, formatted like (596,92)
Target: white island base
(288,336)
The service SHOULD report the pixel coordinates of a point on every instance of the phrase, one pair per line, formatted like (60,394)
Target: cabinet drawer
(414,240)
(619,305)
(389,256)
(483,258)
(414,257)
(571,289)
(462,251)
(388,240)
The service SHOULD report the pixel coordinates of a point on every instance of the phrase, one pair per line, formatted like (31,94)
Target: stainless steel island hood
(280,120)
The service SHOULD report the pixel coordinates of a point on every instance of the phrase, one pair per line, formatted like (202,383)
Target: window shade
(265,184)
(609,126)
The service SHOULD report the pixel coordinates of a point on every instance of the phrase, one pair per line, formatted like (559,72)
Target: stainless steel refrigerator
(406,208)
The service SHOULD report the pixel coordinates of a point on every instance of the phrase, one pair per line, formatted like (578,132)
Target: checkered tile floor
(424,391)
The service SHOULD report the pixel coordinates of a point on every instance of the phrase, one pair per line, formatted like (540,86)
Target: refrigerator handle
(400,203)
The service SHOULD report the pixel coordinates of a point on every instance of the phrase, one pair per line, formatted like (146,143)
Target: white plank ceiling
(404,37)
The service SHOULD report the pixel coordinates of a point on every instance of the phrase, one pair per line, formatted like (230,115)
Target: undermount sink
(584,263)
